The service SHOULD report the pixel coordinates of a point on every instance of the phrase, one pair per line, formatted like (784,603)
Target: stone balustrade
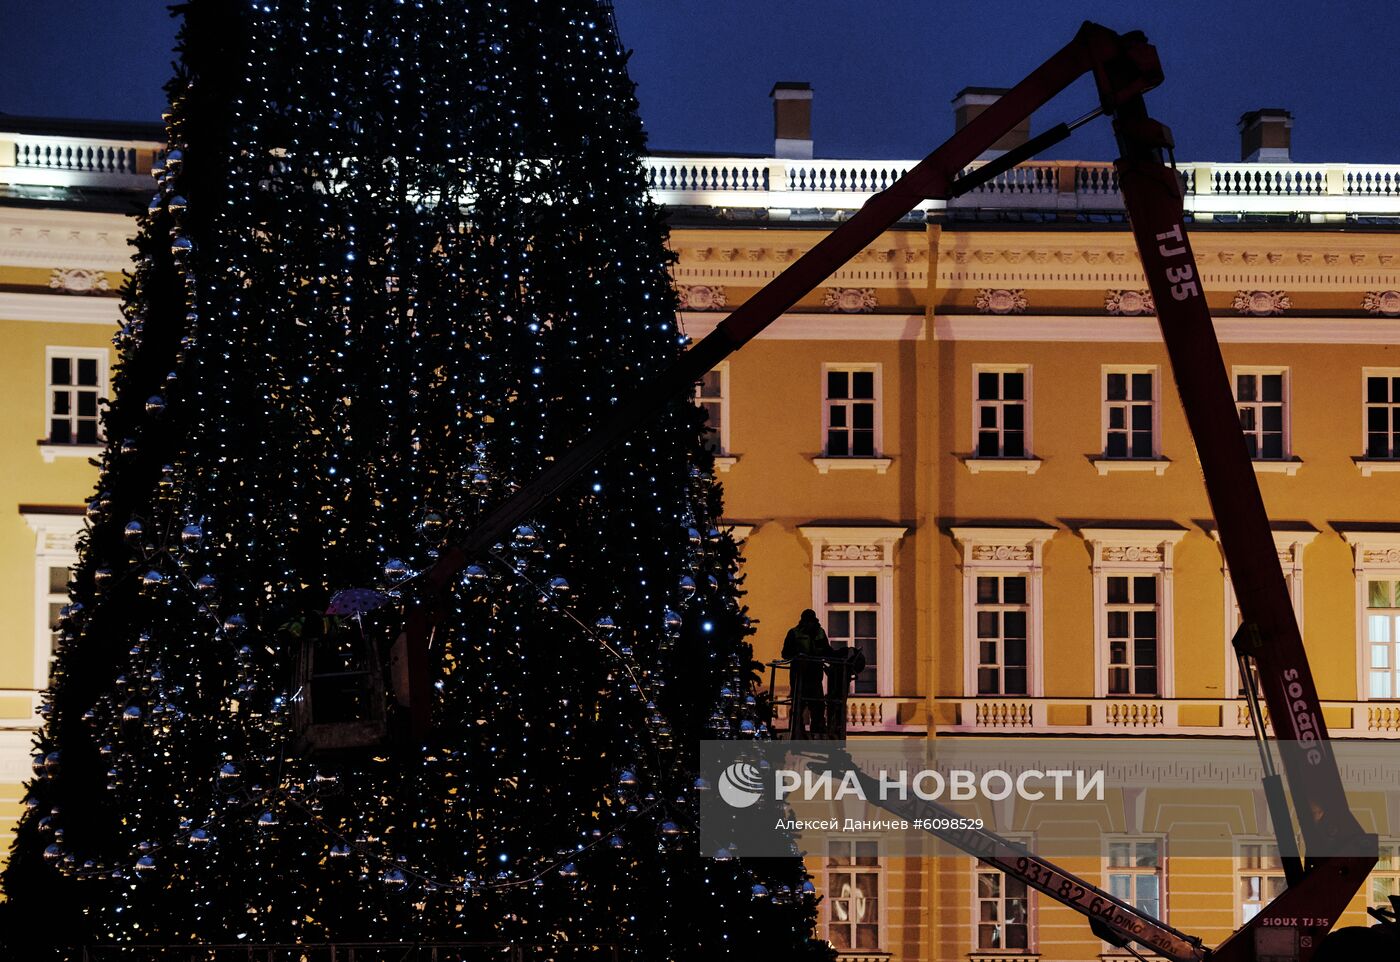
(778,187)
(1324,192)
(51,161)
(1149,716)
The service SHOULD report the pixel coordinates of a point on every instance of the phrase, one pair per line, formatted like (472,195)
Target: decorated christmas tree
(400,258)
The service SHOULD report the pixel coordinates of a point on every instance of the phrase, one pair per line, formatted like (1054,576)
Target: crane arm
(1124,67)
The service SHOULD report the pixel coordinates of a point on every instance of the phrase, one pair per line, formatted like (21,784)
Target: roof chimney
(1266,134)
(971,101)
(792,120)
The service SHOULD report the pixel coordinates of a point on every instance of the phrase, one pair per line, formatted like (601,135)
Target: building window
(1385,877)
(1003,911)
(852,412)
(853,590)
(54,557)
(1135,873)
(1381,418)
(1260,879)
(852,607)
(1131,619)
(1382,642)
(1003,614)
(1289,545)
(1002,604)
(1130,413)
(1002,413)
(853,882)
(712,396)
(76,379)
(1133,609)
(1260,398)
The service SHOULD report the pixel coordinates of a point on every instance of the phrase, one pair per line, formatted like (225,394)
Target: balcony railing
(38,160)
(1323,191)
(1153,716)
(348,952)
(781,186)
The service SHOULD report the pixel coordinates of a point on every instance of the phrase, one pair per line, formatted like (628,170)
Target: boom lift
(1293,926)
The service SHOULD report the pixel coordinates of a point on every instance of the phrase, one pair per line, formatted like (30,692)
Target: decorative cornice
(57,533)
(854,544)
(1127,330)
(1130,303)
(1381,302)
(850,300)
(1001,546)
(61,238)
(819,327)
(78,280)
(1146,547)
(1001,301)
(1261,303)
(60,309)
(701,297)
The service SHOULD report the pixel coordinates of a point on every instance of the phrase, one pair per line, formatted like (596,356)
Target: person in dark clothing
(806,643)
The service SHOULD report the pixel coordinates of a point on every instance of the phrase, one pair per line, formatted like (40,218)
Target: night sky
(883,72)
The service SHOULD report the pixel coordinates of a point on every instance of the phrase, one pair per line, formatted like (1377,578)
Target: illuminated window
(1134,873)
(1289,544)
(853,882)
(1385,877)
(56,536)
(1259,877)
(1382,637)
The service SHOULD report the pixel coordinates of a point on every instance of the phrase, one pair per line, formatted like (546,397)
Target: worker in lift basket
(806,643)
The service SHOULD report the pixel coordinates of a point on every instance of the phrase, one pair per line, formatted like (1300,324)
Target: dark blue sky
(883,72)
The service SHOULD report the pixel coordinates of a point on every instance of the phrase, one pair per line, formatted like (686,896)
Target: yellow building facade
(964,450)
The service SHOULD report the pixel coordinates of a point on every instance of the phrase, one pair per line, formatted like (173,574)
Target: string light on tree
(400,256)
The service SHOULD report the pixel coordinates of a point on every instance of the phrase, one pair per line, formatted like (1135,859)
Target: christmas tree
(400,258)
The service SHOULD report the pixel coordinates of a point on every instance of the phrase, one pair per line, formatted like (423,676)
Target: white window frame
(1287,464)
(724,458)
(877,461)
(1241,872)
(838,549)
(1387,845)
(1365,461)
(1134,551)
(1028,441)
(1375,554)
(881,890)
(1105,404)
(1032,910)
(56,534)
(48,448)
(1004,551)
(1161,870)
(1289,545)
